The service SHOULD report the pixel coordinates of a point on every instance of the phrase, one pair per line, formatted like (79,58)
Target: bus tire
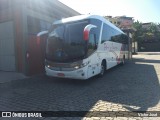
(103,68)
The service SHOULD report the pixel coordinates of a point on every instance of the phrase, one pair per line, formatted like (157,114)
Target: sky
(142,10)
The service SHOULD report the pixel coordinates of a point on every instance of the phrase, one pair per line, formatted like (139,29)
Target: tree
(154,29)
(146,34)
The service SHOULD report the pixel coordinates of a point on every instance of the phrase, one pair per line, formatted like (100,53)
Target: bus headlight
(85,64)
(81,65)
(48,66)
(76,67)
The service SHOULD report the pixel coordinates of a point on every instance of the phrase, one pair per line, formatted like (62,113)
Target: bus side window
(106,33)
(97,30)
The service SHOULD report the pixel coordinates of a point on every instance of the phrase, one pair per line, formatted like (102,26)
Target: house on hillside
(121,21)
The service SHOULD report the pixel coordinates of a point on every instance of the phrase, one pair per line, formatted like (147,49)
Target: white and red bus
(83,46)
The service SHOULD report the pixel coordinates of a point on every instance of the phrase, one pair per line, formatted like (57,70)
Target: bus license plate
(61,74)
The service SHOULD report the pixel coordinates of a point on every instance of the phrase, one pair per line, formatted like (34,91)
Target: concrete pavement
(10,76)
(132,87)
(149,53)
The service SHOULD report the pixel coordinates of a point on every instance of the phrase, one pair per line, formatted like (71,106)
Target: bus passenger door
(112,54)
(93,67)
(112,58)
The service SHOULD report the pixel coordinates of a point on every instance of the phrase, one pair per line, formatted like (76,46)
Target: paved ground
(132,87)
(10,76)
(149,53)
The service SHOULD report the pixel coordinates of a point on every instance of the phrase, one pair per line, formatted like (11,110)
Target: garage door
(7,50)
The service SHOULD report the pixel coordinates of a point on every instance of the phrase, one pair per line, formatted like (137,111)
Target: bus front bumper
(76,74)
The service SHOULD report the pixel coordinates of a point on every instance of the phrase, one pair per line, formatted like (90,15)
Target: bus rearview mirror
(87,31)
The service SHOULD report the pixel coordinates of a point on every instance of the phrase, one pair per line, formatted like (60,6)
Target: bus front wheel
(102,71)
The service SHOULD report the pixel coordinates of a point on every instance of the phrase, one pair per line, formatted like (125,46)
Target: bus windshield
(65,42)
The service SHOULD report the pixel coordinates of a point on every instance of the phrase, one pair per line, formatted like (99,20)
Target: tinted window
(74,32)
(65,42)
(96,31)
(111,34)
(91,43)
(106,33)
(121,38)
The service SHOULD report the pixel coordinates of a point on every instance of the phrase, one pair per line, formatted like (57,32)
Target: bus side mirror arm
(39,35)
(42,33)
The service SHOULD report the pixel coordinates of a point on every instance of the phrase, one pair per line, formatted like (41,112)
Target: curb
(148,53)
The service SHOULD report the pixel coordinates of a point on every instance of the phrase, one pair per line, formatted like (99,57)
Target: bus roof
(83,17)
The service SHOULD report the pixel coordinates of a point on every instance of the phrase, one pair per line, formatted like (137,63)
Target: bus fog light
(80,71)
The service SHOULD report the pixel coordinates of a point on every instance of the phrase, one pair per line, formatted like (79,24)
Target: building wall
(146,25)
(18,14)
(7,37)
(30,17)
(126,23)
(40,14)
(113,20)
(7,49)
